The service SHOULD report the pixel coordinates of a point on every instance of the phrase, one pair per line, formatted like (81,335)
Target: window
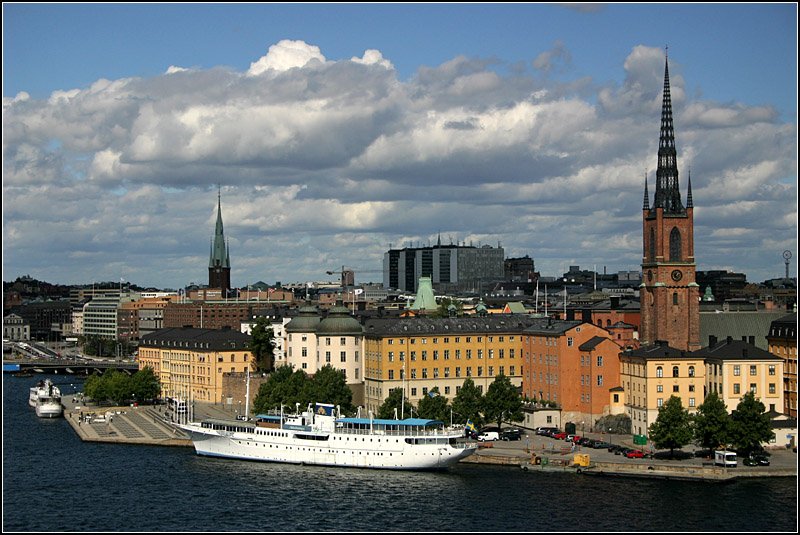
(675,245)
(599,380)
(772,369)
(660,402)
(413,391)
(752,369)
(737,370)
(691,371)
(391,374)
(342,341)
(737,388)
(659,388)
(424,373)
(659,372)
(570,341)
(691,402)
(772,388)
(675,298)
(753,388)
(676,388)
(391,356)
(327,356)
(343,356)
(675,371)
(458,371)
(599,361)
(691,388)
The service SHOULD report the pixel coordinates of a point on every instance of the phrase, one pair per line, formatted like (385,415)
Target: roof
(738,324)
(659,350)
(192,338)
(412,422)
(731,349)
(414,326)
(339,321)
(592,343)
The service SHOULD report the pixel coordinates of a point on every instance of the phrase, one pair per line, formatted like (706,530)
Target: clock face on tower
(677,275)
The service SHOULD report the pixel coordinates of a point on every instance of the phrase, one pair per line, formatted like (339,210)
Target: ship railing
(408,431)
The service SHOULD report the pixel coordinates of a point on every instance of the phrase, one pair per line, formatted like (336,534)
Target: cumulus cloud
(322,162)
(285,55)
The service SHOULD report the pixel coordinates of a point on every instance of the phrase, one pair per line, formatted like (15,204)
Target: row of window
(446,340)
(501,354)
(446,372)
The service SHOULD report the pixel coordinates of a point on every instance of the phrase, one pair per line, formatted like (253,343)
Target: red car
(634,454)
(560,436)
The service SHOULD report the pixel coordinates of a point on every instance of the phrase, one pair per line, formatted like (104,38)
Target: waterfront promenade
(150,425)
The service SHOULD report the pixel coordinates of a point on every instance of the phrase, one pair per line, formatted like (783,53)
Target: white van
(725,458)
(488,435)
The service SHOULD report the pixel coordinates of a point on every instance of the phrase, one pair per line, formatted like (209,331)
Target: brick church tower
(219,263)
(670,297)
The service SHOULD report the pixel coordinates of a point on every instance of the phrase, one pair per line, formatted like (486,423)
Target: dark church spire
(667,195)
(646,204)
(689,203)
(219,255)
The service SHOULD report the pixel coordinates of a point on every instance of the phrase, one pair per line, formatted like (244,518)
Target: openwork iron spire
(667,195)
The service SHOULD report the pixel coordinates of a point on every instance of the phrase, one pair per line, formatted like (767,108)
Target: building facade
(450,267)
(652,374)
(782,340)
(734,368)
(669,294)
(572,363)
(190,363)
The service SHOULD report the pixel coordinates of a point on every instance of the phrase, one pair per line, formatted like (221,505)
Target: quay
(151,425)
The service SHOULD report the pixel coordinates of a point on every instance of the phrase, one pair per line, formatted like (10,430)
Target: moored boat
(48,401)
(321,436)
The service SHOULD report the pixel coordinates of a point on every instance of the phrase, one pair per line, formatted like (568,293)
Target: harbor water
(54,482)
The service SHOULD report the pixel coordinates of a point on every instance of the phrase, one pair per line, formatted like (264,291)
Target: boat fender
(579,470)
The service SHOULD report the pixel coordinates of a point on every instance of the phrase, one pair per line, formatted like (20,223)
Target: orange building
(573,363)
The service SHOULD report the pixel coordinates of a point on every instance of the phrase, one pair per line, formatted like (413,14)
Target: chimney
(614,302)
(729,340)
(712,340)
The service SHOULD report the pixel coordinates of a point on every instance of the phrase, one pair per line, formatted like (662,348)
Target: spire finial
(646,204)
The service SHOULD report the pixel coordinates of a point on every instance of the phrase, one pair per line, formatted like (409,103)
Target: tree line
(121,388)
(287,388)
(745,429)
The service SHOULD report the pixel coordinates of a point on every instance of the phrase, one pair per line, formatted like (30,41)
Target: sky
(334,132)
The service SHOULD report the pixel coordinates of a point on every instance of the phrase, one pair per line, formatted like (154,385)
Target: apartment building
(191,363)
(782,341)
(421,353)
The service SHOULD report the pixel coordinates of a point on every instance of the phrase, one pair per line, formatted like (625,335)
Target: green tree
(502,401)
(118,386)
(145,385)
(673,426)
(751,425)
(395,401)
(712,423)
(329,386)
(468,403)
(434,406)
(94,388)
(262,344)
(444,309)
(284,387)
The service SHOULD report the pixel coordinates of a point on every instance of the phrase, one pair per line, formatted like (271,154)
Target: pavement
(782,461)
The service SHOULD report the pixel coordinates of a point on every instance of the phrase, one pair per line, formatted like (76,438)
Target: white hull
(33,396)
(329,445)
(49,409)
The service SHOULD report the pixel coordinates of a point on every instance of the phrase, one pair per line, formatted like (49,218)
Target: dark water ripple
(54,482)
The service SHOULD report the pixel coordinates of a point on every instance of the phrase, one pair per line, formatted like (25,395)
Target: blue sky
(734,69)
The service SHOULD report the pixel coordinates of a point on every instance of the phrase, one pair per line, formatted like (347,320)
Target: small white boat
(48,401)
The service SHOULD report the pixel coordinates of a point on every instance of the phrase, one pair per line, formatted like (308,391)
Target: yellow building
(190,362)
(734,368)
(423,353)
(652,374)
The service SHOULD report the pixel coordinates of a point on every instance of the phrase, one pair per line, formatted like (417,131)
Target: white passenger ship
(48,401)
(321,437)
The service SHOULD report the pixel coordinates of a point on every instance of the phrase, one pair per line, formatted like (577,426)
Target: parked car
(634,454)
(599,444)
(560,436)
(488,435)
(544,431)
(759,459)
(510,434)
(586,441)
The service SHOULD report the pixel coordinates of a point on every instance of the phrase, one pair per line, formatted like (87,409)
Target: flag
(433,393)
(471,426)
(359,291)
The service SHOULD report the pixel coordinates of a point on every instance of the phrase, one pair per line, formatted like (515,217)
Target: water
(54,482)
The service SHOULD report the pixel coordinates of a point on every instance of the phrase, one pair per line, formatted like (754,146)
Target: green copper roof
(424,299)
(339,321)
